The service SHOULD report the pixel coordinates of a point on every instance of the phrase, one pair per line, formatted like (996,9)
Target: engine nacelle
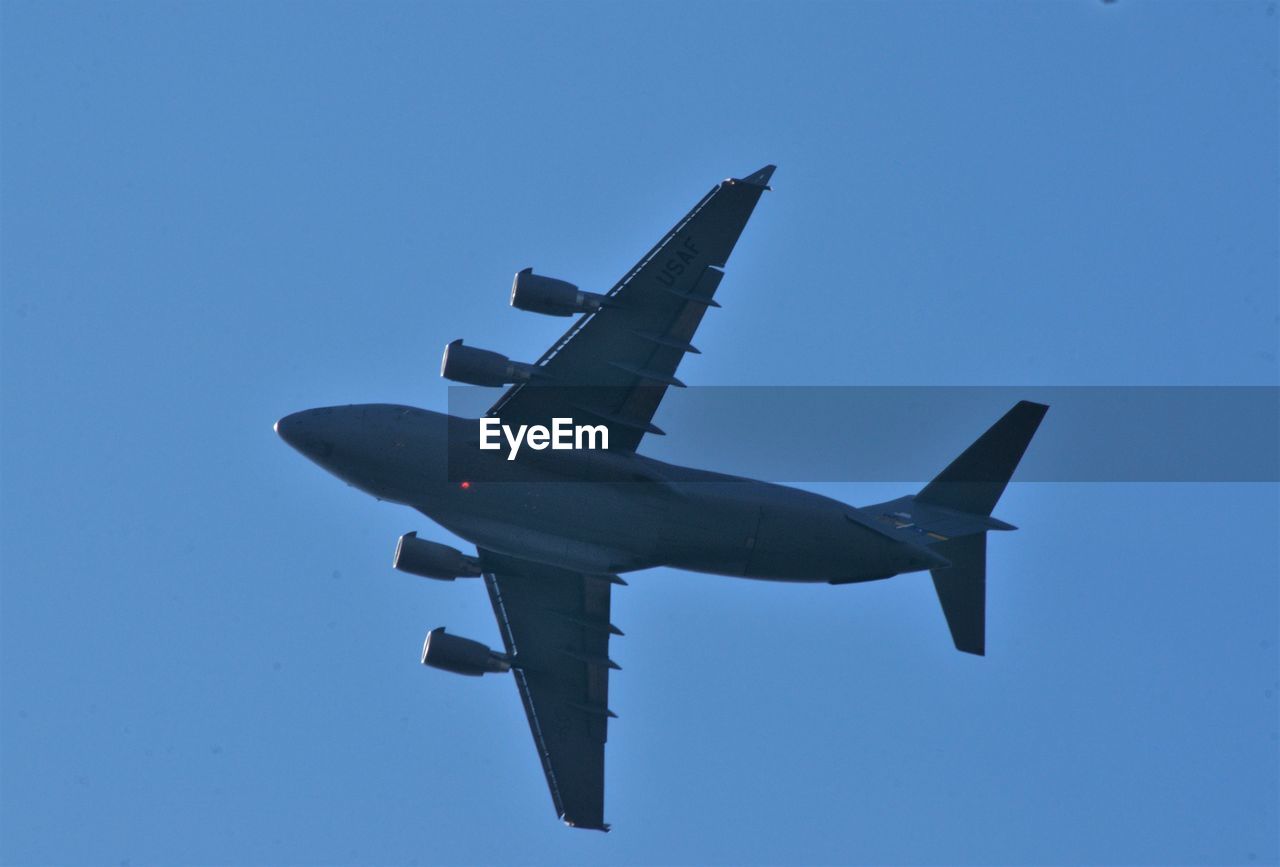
(461,655)
(481,367)
(538,294)
(428,559)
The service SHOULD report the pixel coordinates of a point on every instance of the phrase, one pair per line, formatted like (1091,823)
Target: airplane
(554,527)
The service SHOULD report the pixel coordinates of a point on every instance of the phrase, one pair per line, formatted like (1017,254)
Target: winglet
(760,178)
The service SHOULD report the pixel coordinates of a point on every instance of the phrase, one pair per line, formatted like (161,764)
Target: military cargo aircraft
(554,527)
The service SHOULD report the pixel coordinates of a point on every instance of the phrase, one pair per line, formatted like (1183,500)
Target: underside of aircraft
(553,529)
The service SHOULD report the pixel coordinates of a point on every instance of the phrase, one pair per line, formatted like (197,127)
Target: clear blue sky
(215,214)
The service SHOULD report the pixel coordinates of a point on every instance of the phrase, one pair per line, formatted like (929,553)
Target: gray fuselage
(595,511)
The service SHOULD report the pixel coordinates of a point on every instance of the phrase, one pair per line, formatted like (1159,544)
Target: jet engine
(482,367)
(432,560)
(461,655)
(538,294)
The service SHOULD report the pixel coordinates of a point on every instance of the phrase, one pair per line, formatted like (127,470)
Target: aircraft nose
(287,428)
(301,431)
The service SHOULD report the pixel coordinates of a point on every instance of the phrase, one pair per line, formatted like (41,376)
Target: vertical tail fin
(972,484)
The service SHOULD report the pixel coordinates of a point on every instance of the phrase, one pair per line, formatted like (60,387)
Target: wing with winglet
(555,626)
(615,364)
(612,367)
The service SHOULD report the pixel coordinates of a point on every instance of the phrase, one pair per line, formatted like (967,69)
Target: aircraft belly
(810,542)
(541,547)
(709,533)
(805,542)
(591,529)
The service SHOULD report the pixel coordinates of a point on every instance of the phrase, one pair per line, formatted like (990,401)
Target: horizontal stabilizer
(962,590)
(956,511)
(974,481)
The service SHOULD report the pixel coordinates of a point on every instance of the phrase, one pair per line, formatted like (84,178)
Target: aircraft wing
(615,364)
(555,625)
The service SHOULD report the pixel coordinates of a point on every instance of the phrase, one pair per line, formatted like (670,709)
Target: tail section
(971,485)
(962,590)
(973,482)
